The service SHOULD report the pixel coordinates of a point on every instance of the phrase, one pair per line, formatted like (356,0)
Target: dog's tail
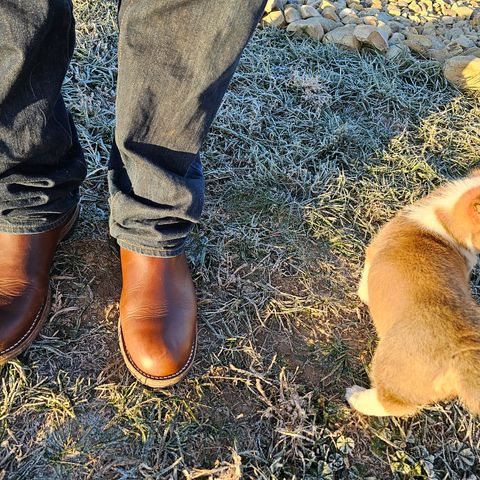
(467,368)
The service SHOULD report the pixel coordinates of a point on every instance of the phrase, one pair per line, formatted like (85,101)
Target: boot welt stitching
(166,377)
(29,331)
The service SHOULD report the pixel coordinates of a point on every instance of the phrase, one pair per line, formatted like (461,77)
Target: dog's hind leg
(362,291)
(366,401)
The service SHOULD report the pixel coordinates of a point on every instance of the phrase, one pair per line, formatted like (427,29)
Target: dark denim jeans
(175,61)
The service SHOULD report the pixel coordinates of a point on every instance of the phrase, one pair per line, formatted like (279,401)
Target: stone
(463,71)
(453,33)
(429,4)
(331,14)
(394,11)
(404,21)
(370,12)
(463,41)
(307,11)
(343,36)
(414,18)
(395,26)
(384,17)
(371,35)
(327,4)
(352,20)
(455,50)
(328,24)
(274,5)
(346,11)
(396,38)
(311,26)
(415,7)
(397,51)
(357,7)
(410,31)
(475,51)
(315,31)
(475,20)
(462,11)
(370,20)
(462,23)
(446,31)
(418,43)
(428,31)
(439,54)
(291,14)
(436,42)
(274,19)
(385,28)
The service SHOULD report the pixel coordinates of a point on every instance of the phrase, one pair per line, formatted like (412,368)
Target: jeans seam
(142,249)
(39,228)
(171,252)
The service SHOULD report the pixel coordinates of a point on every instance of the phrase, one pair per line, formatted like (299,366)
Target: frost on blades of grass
(313,149)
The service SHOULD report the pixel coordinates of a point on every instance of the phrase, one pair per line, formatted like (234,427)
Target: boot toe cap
(159,358)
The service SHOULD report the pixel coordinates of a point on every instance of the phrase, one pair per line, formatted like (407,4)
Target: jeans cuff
(153,252)
(31,229)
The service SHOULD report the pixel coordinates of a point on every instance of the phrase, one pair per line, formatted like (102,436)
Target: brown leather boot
(25,262)
(158,318)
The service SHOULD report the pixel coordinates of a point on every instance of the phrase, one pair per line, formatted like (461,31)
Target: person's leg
(176,59)
(41,163)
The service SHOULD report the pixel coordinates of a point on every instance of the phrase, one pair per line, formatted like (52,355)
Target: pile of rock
(444,30)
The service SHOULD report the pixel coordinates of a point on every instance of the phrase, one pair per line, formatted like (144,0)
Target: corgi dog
(416,284)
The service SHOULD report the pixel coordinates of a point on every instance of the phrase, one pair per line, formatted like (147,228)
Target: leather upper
(158,313)
(25,262)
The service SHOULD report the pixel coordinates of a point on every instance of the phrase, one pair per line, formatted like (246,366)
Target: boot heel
(71,225)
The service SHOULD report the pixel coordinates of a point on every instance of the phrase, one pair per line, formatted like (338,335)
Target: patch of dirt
(102,274)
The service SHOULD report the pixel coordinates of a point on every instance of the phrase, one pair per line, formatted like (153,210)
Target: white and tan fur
(416,284)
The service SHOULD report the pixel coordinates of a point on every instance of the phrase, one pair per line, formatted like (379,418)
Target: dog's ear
(462,219)
(467,208)
(476,208)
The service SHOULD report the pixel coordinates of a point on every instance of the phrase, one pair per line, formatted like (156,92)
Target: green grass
(313,149)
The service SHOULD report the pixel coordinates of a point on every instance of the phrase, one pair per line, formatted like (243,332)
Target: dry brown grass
(312,150)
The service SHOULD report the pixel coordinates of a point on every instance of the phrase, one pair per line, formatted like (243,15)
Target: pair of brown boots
(158,312)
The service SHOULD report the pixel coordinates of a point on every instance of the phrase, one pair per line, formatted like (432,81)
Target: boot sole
(21,345)
(149,380)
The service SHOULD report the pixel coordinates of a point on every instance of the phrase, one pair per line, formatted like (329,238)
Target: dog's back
(421,305)
(415,282)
